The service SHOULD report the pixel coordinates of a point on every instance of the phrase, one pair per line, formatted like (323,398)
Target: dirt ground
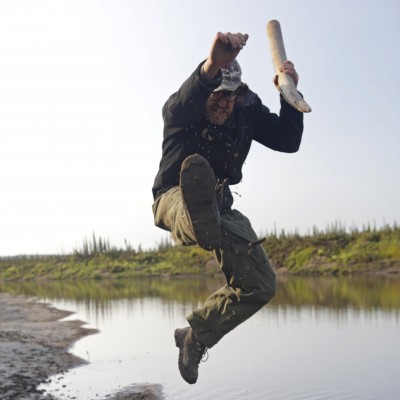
(34,346)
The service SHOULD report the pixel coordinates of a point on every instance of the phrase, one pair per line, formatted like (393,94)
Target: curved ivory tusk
(286,84)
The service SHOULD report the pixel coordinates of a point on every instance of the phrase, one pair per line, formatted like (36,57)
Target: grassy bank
(333,251)
(337,251)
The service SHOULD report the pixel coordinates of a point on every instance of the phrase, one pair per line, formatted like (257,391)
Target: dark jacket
(187,131)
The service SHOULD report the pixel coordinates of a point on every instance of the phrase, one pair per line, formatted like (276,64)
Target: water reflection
(361,292)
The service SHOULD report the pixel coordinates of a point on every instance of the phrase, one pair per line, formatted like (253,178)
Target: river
(320,338)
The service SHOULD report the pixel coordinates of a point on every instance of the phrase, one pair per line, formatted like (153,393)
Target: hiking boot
(197,183)
(190,354)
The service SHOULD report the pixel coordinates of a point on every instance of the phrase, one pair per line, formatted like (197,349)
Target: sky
(82,84)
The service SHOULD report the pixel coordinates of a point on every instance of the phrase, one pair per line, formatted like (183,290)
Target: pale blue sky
(82,84)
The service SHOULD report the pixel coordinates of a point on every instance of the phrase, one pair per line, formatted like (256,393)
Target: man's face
(220,106)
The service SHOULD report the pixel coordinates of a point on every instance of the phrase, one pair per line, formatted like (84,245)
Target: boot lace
(219,192)
(200,353)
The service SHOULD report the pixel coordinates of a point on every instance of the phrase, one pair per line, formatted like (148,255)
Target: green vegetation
(333,251)
(107,264)
(337,250)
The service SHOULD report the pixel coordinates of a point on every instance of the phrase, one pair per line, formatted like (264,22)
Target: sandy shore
(34,346)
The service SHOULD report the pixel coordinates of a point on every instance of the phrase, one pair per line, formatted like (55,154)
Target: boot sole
(197,183)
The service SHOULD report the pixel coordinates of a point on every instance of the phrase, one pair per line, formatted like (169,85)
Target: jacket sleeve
(280,133)
(187,105)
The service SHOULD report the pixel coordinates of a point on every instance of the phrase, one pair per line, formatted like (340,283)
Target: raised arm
(224,49)
(188,104)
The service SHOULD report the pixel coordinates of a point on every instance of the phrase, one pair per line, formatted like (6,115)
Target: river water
(320,338)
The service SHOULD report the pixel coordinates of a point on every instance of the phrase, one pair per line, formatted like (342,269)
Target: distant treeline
(334,250)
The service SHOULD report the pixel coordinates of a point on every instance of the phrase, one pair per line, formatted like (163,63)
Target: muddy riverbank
(34,345)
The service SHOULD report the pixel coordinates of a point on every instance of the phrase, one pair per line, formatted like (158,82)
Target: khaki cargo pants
(251,282)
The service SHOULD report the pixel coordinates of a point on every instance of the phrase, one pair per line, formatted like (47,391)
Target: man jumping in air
(209,125)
